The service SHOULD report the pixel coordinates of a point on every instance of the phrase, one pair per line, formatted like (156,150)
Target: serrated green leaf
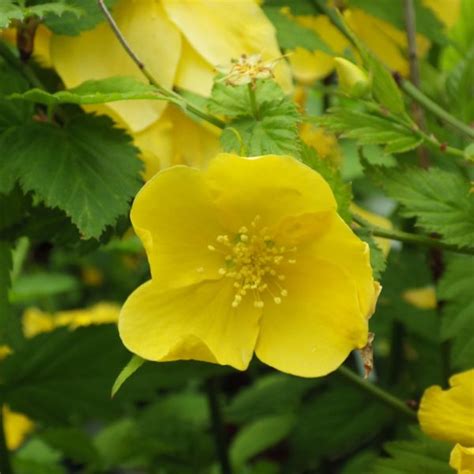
(8,12)
(94,92)
(259,436)
(132,366)
(291,35)
(440,200)
(369,129)
(384,87)
(415,457)
(456,288)
(276,132)
(342,191)
(87,168)
(69,24)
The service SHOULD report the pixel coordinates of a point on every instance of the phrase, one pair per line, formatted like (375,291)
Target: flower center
(253,260)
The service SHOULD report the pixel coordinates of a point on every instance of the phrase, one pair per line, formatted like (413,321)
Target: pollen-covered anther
(251,258)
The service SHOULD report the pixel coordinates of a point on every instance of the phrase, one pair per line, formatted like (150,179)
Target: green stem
(5,466)
(410,238)
(379,393)
(218,426)
(169,95)
(415,93)
(253,101)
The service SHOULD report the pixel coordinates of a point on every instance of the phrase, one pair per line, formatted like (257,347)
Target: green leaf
(88,169)
(258,436)
(292,35)
(8,12)
(69,24)
(414,457)
(384,87)
(94,92)
(5,281)
(456,288)
(36,456)
(272,394)
(440,200)
(39,285)
(274,131)
(368,129)
(62,374)
(132,366)
(342,191)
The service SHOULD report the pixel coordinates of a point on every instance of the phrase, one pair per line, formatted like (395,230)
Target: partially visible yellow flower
(92,276)
(4,351)
(377,220)
(323,141)
(248,255)
(462,459)
(17,427)
(353,81)
(422,298)
(449,414)
(36,321)
(388,43)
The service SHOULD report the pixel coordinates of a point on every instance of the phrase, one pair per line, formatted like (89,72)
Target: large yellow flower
(248,255)
(388,43)
(449,415)
(181,42)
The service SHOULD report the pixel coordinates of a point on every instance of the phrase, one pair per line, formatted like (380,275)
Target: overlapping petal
(175,217)
(317,325)
(195,322)
(462,459)
(272,187)
(449,414)
(97,54)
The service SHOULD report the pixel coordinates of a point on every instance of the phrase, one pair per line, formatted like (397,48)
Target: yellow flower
(36,321)
(387,42)
(449,414)
(17,427)
(422,298)
(248,255)
(323,141)
(462,459)
(181,42)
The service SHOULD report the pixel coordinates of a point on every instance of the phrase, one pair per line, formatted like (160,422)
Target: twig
(377,392)
(410,238)
(410,26)
(170,95)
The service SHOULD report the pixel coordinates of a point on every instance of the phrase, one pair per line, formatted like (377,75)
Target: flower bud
(353,81)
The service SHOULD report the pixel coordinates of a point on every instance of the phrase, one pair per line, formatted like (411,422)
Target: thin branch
(379,393)
(410,238)
(169,95)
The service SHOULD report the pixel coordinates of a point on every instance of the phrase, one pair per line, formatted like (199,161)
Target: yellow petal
(387,42)
(176,220)
(447,11)
(462,459)
(323,141)
(196,322)
(317,325)
(17,427)
(272,187)
(449,414)
(422,298)
(36,322)
(101,313)
(97,54)
(377,220)
(194,72)
(224,30)
(42,46)
(343,248)
(4,351)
